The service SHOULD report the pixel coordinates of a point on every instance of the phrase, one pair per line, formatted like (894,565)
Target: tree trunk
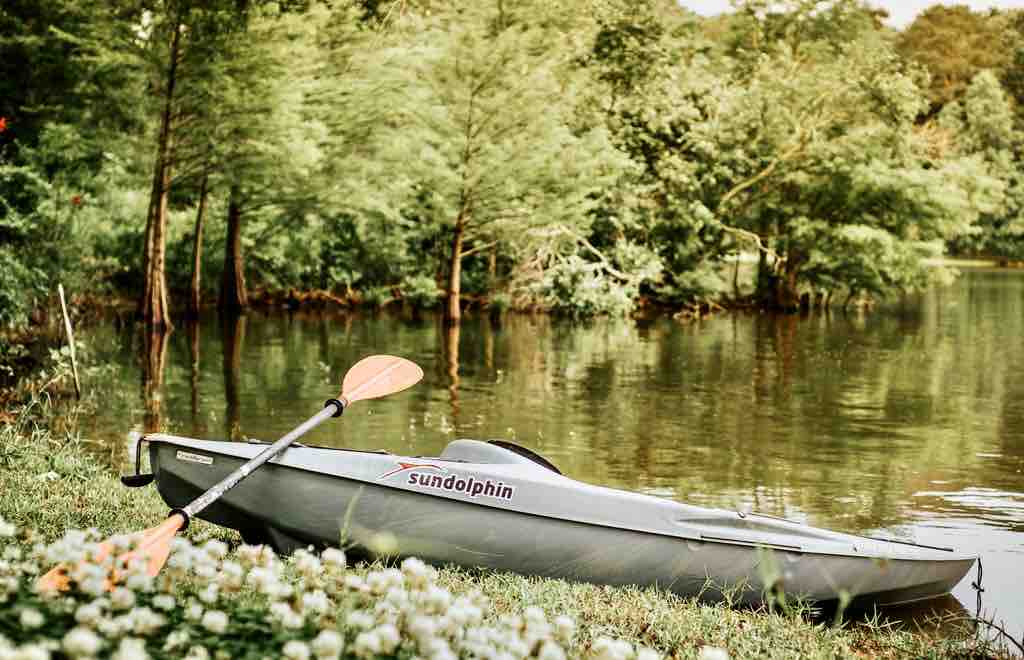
(453,311)
(154,305)
(787,297)
(195,290)
(492,268)
(232,285)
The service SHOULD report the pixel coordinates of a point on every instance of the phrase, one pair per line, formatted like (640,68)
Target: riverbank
(52,485)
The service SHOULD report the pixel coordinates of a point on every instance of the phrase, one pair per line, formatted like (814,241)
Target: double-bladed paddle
(370,378)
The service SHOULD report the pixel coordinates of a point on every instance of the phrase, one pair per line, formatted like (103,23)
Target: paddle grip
(185,517)
(337,404)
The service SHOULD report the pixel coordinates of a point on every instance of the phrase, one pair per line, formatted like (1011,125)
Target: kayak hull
(372,504)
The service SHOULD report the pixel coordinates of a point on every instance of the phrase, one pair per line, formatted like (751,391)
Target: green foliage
(954,43)
(618,150)
(983,125)
(421,291)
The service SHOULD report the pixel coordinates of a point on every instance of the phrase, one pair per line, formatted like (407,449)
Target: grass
(50,483)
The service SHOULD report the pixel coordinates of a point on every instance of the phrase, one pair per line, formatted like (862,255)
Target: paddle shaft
(333,408)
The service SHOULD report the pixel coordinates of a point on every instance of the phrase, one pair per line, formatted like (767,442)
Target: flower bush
(209,602)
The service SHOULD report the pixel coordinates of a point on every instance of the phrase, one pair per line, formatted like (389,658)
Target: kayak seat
(494,451)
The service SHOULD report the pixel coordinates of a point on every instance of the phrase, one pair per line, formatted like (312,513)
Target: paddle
(370,378)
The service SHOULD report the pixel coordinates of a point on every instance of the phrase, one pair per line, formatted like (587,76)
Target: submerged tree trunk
(787,295)
(453,311)
(233,295)
(195,289)
(154,305)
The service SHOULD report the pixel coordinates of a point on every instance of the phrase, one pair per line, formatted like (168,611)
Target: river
(904,421)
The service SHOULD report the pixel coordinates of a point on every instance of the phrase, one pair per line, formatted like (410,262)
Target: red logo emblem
(402,467)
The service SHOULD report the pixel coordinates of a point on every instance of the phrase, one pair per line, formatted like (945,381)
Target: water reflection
(154,357)
(906,421)
(232,327)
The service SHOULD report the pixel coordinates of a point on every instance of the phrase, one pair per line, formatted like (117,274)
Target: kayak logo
(193,458)
(402,467)
(428,475)
(465,485)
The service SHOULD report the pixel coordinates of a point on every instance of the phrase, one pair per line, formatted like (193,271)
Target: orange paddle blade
(154,547)
(377,376)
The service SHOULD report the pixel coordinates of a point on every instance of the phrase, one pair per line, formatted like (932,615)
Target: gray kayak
(499,506)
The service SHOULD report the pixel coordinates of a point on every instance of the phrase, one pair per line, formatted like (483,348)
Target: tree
(180,48)
(981,126)
(63,107)
(467,146)
(953,44)
(268,146)
(809,158)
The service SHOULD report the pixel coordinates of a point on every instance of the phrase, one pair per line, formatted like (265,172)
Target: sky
(901,12)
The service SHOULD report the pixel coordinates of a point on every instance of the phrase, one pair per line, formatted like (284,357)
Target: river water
(906,421)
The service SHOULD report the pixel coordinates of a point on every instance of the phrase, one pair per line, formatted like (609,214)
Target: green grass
(50,483)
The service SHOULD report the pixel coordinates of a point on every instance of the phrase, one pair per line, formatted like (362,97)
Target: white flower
(550,651)
(315,601)
(261,578)
(308,565)
(333,558)
(194,611)
(255,555)
(565,629)
(145,621)
(296,650)
(417,574)
(380,581)
(438,649)
(366,645)
(28,652)
(209,595)
(197,653)
(164,602)
(216,549)
(644,653)
(31,619)
(131,648)
(122,598)
(7,530)
(611,649)
(205,569)
(389,637)
(215,621)
(88,615)
(231,575)
(81,643)
(712,653)
(327,645)
(437,599)
(359,619)
(355,583)
(176,640)
(285,615)
(422,629)
(140,582)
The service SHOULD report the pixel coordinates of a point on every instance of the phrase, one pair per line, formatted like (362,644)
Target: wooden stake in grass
(71,341)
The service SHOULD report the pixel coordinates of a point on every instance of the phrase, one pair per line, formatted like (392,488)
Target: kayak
(500,506)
